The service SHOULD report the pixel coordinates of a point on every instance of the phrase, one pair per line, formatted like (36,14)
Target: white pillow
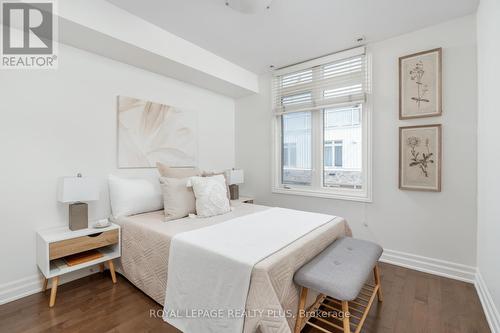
(211,195)
(133,196)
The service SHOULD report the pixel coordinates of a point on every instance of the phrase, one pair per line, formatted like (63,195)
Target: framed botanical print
(420,158)
(420,85)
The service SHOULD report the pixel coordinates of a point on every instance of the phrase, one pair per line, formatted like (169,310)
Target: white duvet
(210,268)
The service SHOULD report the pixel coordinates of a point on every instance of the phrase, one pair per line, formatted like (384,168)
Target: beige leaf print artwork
(151,132)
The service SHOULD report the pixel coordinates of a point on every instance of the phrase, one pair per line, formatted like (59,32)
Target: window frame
(317,189)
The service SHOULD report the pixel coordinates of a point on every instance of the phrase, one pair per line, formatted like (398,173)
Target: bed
(146,241)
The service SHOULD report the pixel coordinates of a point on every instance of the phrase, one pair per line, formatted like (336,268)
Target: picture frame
(420,157)
(149,132)
(420,84)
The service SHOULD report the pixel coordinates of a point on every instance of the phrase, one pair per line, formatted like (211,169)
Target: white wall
(488,34)
(57,123)
(436,225)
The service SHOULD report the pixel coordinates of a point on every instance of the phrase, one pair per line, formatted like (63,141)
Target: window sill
(359,197)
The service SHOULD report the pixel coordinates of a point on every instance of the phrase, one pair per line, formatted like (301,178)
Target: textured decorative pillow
(215,173)
(169,172)
(178,199)
(211,195)
(133,196)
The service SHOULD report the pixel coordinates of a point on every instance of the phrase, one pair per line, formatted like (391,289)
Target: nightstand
(240,200)
(54,245)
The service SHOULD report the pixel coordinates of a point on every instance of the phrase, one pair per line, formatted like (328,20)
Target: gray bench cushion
(341,270)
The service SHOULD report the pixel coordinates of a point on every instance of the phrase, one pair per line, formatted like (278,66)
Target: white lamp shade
(235,176)
(77,189)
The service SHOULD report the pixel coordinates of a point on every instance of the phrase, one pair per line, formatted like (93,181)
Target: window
(332,152)
(328,154)
(322,126)
(338,153)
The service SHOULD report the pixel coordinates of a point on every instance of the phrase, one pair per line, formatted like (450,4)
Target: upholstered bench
(339,274)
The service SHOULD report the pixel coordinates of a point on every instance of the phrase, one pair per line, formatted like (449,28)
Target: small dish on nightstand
(104,223)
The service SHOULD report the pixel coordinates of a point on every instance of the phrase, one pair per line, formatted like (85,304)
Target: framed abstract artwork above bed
(150,132)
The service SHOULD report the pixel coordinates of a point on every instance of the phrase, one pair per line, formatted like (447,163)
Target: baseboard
(489,307)
(438,267)
(14,290)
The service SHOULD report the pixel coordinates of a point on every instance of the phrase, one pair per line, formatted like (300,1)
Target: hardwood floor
(416,302)
(413,302)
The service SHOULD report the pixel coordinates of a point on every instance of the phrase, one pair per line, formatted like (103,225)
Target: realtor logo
(28,34)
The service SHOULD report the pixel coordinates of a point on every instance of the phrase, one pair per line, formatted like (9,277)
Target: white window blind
(321,83)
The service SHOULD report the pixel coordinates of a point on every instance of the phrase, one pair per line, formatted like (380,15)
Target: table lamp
(76,191)
(234,177)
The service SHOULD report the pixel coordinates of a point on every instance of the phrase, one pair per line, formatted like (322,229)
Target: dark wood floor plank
(413,302)
(404,321)
(434,301)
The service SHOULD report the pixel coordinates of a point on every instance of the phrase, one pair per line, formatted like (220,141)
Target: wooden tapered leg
(45,281)
(345,319)
(302,305)
(53,291)
(101,268)
(112,270)
(376,275)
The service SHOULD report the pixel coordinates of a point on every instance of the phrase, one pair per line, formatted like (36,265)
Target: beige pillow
(178,199)
(169,172)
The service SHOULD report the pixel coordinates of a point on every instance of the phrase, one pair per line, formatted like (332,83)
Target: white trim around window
(316,188)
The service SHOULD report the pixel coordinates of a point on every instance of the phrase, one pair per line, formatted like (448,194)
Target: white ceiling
(291,30)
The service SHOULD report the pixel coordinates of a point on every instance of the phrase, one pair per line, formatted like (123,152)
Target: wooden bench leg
(112,270)
(302,306)
(345,319)
(101,268)
(45,282)
(376,275)
(53,291)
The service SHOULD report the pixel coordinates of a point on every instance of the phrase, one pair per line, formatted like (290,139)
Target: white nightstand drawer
(79,244)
